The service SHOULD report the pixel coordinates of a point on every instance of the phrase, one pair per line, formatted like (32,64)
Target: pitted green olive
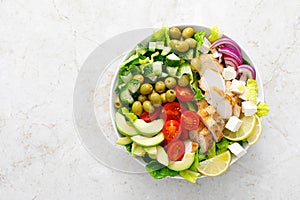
(155,99)
(137,108)
(182,46)
(183,81)
(139,77)
(117,102)
(192,42)
(170,95)
(146,88)
(175,33)
(148,107)
(142,98)
(163,97)
(160,87)
(170,82)
(188,32)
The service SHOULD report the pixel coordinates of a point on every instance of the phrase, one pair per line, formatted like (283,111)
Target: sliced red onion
(227,42)
(229,61)
(245,72)
(232,53)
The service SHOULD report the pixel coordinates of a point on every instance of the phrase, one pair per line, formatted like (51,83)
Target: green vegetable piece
(159,171)
(140,50)
(262,109)
(196,162)
(126,97)
(214,34)
(195,86)
(212,152)
(199,37)
(222,145)
(144,61)
(189,175)
(166,51)
(172,60)
(161,35)
(133,85)
(130,59)
(252,90)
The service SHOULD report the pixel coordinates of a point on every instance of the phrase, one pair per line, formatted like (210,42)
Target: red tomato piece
(190,120)
(149,117)
(172,110)
(171,130)
(184,134)
(176,150)
(184,93)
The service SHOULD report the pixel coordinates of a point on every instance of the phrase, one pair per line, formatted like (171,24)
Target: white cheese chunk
(248,108)
(244,95)
(237,87)
(229,73)
(160,45)
(152,46)
(237,149)
(233,124)
(205,47)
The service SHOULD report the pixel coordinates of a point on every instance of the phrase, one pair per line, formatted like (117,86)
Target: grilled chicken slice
(220,101)
(203,137)
(211,79)
(207,61)
(211,119)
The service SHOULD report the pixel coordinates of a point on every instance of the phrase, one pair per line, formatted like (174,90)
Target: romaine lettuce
(262,109)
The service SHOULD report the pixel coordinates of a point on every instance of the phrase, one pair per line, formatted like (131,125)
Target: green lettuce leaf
(199,37)
(159,171)
(252,91)
(214,34)
(262,109)
(189,175)
(195,86)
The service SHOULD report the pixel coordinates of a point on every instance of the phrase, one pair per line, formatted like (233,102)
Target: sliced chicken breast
(203,137)
(211,79)
(207,61)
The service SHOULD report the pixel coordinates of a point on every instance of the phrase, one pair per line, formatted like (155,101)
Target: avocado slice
(123,127)
(148,129)
(137,150)
(148,141)
(183,164)
(124,140)
(162,156)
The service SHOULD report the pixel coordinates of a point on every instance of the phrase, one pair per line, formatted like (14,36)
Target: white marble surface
(42,47)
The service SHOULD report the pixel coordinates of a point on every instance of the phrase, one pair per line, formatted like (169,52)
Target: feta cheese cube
(237,149)
(205,46)
(244,95)
(229,73)
(237,87)
(233,124)
(152,46)
(248,108)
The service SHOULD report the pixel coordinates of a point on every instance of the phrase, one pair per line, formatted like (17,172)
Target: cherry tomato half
(149,117)
(172,110)
(184,134)
(176,150)
(171,130)
(190,120)
(184,93)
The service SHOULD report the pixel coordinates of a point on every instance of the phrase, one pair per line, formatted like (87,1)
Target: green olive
(170,82)
(181,46)
(170,95)
(192,42)
(195,64)
(175,33)
(163,97)
(137,108)
(139,77)
(147,106)
(146,88)
(142,98)
(160,87)
(188,32)
(155,99)
(183,81)
(117,102)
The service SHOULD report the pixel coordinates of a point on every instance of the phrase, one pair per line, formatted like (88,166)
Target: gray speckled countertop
(43,45)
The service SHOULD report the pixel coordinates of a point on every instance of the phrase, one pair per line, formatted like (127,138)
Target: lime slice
(255,135)
(247,127)
(216,165)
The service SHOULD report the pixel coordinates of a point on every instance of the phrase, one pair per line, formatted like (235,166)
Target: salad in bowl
(187,101)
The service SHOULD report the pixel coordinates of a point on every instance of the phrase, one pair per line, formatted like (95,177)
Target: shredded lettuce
(161,35)
(196,162)
(159,171)
(199,37)
(195,86)
(185,68)
(214,34)
(189,175)
(212,152)
(252,91)
(222,145)
(262,109)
